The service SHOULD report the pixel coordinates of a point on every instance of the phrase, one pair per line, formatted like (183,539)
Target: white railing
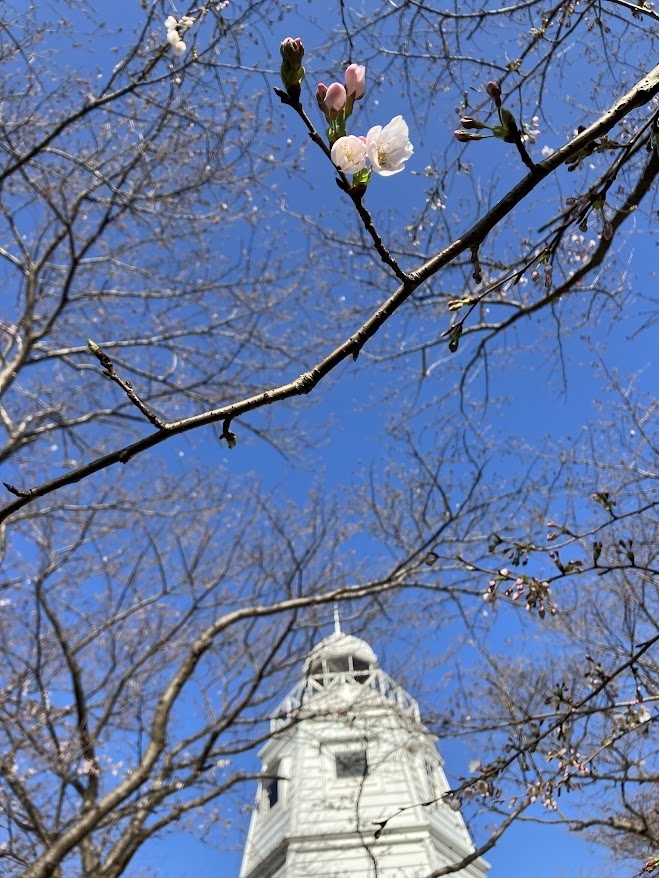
(310,687)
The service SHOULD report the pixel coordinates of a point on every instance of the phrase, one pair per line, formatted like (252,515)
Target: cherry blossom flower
(349,154)
(173,35)
(389,148)
(531,131)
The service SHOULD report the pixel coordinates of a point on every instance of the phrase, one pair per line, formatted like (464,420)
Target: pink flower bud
(465,136)
(468,122)
(321,91)
(335,98)
(355,80)
(493,88)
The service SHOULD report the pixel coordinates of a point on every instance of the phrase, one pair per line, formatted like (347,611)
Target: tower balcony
(338,679)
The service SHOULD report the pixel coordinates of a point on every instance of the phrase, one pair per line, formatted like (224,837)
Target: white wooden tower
(348,751)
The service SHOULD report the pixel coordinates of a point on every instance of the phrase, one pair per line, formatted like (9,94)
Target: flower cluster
(175,29)
(336,101)
(386,149)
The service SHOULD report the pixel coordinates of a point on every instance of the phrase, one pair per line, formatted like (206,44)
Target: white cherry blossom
(173,35)
(389,148)
(349,154)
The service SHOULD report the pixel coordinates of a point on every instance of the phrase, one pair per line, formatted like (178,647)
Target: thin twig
(126,386)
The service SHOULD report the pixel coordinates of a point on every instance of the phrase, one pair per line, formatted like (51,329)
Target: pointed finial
(337,623)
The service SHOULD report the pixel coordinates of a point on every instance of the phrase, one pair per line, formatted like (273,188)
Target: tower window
(271,786)
(351,763)
(271,789)
(361,670)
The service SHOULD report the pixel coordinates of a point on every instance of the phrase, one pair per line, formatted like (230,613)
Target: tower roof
(339,646)
(343,670)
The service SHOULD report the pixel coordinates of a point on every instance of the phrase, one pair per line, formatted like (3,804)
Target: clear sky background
(531,400)
(530,405)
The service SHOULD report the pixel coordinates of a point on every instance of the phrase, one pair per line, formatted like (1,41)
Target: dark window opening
(352,763)
(271,788)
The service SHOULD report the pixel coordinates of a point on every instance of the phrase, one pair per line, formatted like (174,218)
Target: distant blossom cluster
(174,30)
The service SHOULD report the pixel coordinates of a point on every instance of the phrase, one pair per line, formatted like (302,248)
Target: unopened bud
(493,88)
(292,71)
(355,84)
(465,136)
(469,123)
(509,125)
(355,80)
(335,99)
(548,273)
(292,51)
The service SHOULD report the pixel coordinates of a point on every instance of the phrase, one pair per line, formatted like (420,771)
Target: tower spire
(337,623)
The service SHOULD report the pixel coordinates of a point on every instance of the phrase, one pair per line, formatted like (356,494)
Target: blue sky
(532,404)
(353,417)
